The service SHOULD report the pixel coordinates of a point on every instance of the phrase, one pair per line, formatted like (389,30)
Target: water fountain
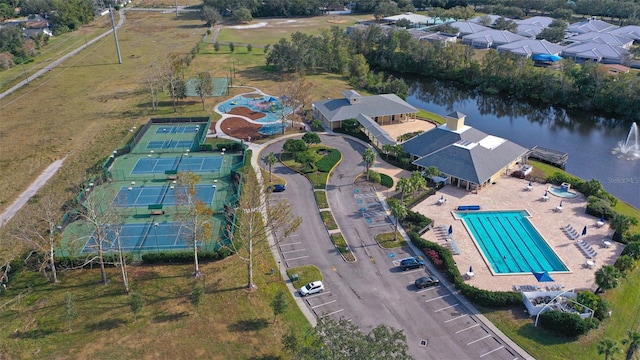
(629,148)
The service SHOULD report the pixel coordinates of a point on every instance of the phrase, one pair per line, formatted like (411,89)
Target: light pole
(155,230)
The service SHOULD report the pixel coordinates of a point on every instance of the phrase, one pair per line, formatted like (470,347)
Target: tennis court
(165,195)
(143,237)
(171,144)
(180,163)
(178,129)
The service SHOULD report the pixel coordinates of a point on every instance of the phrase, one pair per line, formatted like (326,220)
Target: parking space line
(317,295)
(290,251)
(300,257)
(332,313)
(412,271)
(439,297)
(447,307)
(456,318)
(327,303)
(480,339)
(293,243)
(427,289)
(467,328)
(494,350)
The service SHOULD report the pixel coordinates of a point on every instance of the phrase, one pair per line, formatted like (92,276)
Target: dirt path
(31,190)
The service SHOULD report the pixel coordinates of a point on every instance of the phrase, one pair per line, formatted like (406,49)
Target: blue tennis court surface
(179,163)
(171,144)
(165,195)
(146,237)
(178,129)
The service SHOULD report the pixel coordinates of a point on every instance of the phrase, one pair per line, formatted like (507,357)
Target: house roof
(591,25)
(376,130)
(530,47)
(494,18)
(527,30)
(468,154)
(493,37)
(595,51)
(413,18)
(630,31)
(541,21)
(603,38)
(372,106)
(466,27)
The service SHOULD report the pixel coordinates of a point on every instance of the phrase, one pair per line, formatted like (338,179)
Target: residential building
(603,38)
(529,48)
(630,31)
(591,25)
(491,39)
(603,53)
(466,28)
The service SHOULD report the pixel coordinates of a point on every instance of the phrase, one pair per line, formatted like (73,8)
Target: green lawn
(321,198)
(386,240)
(328,219)
(306,274)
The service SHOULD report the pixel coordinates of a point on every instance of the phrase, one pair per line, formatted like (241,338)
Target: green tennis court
(195,164)
(165,195)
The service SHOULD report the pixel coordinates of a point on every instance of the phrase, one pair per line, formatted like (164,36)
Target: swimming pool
(268,105)
(509,242)
(562,193)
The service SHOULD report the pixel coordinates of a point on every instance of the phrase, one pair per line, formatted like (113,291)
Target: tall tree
(204,85)
(399,212)
(258,217)
(608,347)
(387,148)
(173,70)
(194,214)
(404,185)
(369,157)
(607,277)
(210,15)
(37,229)
(633,343)
(311,137)
(418,182)
(270,160)
(343,340)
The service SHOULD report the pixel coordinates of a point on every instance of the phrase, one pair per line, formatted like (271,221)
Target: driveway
(373,290)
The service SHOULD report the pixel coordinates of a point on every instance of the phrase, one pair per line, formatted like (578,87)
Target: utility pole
(176,8)
(115,35)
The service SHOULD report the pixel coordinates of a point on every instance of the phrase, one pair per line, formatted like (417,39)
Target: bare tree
(37,229)
(258,217)
(204,85)
(154,81)
(195,215)
(294,95)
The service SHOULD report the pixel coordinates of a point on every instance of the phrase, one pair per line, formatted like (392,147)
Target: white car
(313,287)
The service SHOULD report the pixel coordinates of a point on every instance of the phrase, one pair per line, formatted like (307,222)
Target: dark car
(276,188)
(427,281)
(411,263)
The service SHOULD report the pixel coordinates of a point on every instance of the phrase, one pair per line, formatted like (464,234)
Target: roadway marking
(300,257)
(439,297)
(334,269)
(427,289)
(480,339)
(455,318)
(293,243)
(465,329)
(290,251)
(327,303)
(318,294)
(332,313)
(446,307)
(494,350)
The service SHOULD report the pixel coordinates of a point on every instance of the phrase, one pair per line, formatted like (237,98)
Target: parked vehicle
(426,282)
(311,288)
(411,263)
(276,188)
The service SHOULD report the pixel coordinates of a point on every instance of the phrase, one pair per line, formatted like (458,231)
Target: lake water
(588,139)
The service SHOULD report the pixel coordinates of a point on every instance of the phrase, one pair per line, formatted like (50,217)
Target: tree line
(587,86)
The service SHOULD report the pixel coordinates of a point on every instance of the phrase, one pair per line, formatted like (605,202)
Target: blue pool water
(510,243)
(561,193)
(269,105)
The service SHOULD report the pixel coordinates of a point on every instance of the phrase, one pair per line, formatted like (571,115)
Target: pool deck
(511,194)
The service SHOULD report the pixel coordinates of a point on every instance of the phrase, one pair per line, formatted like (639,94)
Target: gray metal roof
(463,154)
(375,129)
(372,106)
(595,51)
(466,27)
(630,31)
(531,47)
(603,38)
(591,25)
(542,21)
(493,37)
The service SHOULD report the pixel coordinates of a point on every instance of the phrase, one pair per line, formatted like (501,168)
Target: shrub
(68,262)
(386,180)
(633,250)
(184,257)
(230,146)
(415,222)
(602,310)
(566,324)
(598,207)
(434,256)
(329,161)
(206,147)
(374,177)
(625,263)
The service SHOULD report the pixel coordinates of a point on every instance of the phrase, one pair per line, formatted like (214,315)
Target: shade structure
(584,231)
(543,276)
(546,57)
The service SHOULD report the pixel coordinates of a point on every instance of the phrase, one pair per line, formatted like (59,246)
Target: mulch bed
(241,129)
(246,112)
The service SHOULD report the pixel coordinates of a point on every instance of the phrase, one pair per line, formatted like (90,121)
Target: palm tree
(607,277)
(418,181)
(633,343)
(368,156)
(608,347)
(399,212)
(387,148)
(270,160)
(404,184)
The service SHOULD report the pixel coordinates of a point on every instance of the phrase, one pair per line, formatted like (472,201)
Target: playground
(264,110)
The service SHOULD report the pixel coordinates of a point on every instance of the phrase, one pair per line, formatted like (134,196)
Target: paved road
(437,322)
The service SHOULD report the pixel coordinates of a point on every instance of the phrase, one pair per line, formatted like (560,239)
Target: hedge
(567,324)
(329,161)
(386,180)
(184,257)
(230,146)
(68,262)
